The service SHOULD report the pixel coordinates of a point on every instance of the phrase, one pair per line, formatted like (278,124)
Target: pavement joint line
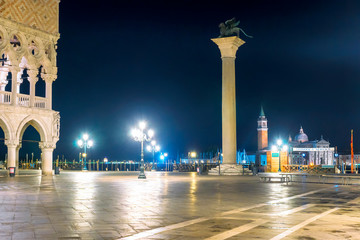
(256,223)
(303,224)
(154,231)
(238,230)
(356,200)
(151,232)
(297,196)
(294,210)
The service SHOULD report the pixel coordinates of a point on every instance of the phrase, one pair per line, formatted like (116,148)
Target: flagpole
(352,152)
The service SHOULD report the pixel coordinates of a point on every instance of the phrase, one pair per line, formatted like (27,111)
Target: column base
(229,170)
(47,173)
(142,176)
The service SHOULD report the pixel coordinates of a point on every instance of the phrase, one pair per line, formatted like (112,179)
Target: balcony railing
(40,102)
(5,97)
(22,100)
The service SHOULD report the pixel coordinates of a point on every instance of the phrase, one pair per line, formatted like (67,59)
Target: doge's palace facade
(29,31)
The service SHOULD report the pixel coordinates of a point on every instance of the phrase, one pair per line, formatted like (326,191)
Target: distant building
(305,152)
(347,159)
(262,130)
(263,142)
(300,151)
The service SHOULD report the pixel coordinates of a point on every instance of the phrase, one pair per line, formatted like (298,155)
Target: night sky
(124,61)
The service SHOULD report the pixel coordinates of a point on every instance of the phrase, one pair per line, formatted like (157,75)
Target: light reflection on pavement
(115,205)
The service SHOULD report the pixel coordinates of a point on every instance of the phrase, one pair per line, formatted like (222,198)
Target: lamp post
(166,161)
(280,146)
(153,148)
(139,136)
(85,143)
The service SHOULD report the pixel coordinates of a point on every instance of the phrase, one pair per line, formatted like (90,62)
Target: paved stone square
(105,205)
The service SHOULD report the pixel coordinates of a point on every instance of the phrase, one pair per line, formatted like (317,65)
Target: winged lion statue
(230,28)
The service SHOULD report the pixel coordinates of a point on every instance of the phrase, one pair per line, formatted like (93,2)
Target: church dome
(301,137)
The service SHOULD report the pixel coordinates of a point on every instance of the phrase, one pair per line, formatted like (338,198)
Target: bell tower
(262,130)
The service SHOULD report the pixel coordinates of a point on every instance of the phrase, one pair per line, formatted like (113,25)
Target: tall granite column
(228,47)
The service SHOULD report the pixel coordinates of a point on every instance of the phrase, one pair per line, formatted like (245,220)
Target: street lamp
(280,146)
(153,148)
(193,154)
(139,136)
(85,143)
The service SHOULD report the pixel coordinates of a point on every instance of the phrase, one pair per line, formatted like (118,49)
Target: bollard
(12,171)
(57,170)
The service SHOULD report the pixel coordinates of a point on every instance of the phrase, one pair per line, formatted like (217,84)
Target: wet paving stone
(116,205)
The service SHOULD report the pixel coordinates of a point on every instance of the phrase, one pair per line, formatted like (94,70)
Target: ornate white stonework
(28,38)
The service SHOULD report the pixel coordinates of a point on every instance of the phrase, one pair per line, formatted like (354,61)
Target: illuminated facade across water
(305,152)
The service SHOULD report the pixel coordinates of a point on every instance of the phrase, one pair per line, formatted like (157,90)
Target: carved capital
(48,77)
(228,46)
(33,75)
(11,143)
(47,145)
(14,70)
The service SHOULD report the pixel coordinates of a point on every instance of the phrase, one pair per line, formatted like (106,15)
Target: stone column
(3,82)
(228,47)
(17,159)
(11,153)
(47,150)
(49,79)
(32,79)
(3,79)
(19,80)
(14,84)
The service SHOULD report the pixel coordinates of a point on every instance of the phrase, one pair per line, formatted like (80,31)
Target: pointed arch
(6,128)
(37,124)
(27,61)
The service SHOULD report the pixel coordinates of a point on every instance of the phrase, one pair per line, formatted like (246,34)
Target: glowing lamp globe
(80,143)
(85,136)
(149,148)
(285,148)
(151,133)
(142,125)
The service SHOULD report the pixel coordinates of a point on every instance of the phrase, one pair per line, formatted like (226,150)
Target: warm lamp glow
(279,142)
(193,154)
(90,143)
(274,148)
(153,142)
